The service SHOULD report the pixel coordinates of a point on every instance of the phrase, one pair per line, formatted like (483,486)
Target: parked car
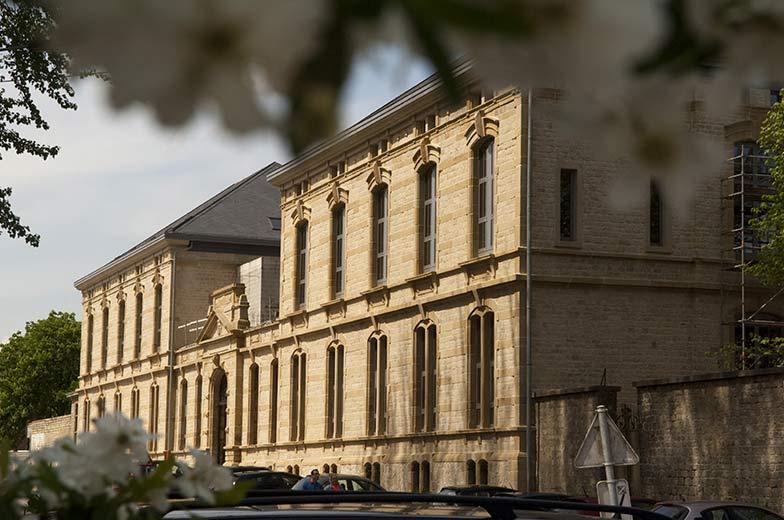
(266,479)
(347,483)
(244,469)
(475,491)
(706,510)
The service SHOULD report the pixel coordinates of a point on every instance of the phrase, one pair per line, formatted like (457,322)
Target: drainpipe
(170,404)
(529,434)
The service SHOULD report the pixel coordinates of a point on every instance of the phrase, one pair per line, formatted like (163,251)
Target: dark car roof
(479,487)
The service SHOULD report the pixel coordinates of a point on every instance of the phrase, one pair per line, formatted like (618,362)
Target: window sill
(429,275)
(659,250)
(569,244)
(375,290)
(478,260)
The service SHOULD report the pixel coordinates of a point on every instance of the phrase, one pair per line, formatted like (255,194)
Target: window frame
(302,240)
(334,381)
(428,214)
(425,372)
(338,250)
(158,318)
(253,404)
(376,415)
(298,396)
(656,231)
(104,337)
(481,368)
(570,235)
(273,406)
(380,230)
(120,331)
(89,348)
(139,323)
(483,196)
(182,427)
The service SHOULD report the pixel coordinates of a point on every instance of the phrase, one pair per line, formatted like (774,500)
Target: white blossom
(173,55)
(203,478)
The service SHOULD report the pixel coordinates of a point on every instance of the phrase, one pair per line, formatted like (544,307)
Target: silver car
(705,510)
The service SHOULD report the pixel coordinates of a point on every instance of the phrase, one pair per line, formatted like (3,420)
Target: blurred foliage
(38,368)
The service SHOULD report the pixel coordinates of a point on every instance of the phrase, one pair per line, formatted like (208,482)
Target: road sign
(604,494)
(591,453)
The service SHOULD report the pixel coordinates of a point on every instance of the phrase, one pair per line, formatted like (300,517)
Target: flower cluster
(102,472)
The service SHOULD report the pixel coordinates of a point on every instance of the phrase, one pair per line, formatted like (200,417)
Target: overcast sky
(119,177)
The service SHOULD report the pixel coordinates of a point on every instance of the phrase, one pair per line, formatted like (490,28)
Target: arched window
(89,353)
(376,475)
(101,406)
(377,384)
(104,336)
(655,216)
(425,373)
(333,468)
(298,389)
(424,487)
(183,428)
(135,403)
(380,233)
(302,264)
(197,414)
(415,477)
(86,417)
(253,404)
(484,160)
(470,473)
(338,250)
(427,217)
(296,469)
(483,472)
(325,469)
(75,419)
(117,402)
(120,331)
(158,321)
(368,470)
(290,469)
(481,354)
(334,391)
(273,404)
(137,346)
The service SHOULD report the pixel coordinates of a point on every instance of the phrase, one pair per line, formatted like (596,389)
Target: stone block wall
(43,432)
(714,436)
(562,419)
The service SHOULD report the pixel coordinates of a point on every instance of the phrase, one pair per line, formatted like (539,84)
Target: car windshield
(753,513)
(671,511)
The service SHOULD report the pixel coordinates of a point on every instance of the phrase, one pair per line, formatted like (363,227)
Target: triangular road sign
(591,455)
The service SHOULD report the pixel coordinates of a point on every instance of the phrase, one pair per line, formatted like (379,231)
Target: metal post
(609,471)
(529,433)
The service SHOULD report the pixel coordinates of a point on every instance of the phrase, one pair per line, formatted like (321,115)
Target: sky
(119,177)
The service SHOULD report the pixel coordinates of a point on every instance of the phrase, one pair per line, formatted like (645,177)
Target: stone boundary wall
(44,432)
(562,419)
(716,436)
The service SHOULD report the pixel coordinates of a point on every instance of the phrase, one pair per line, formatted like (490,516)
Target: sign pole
(609,471)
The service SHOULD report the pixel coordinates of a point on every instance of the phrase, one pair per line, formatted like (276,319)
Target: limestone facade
(399,347)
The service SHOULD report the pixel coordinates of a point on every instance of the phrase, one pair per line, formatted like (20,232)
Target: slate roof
(245,213)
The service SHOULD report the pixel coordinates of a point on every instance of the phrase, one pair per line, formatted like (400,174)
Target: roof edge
(416,93)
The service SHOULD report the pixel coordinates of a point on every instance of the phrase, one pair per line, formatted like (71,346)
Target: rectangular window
(158,317)
(483,196)
(568,205)
(104,336)
(334,391)
(137,347)
(120,331)
(89,353)
(655,235)
(273,407)
(425,370)
(75,419)
(197,418)
(183,414)
(427,218)
(302,263)
(338,250)
(153,425)
(380,233)
(253,405)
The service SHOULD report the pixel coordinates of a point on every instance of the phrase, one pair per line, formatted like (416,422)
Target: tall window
(656,223)
(338,250)
(302,263)
(470,473)
(104,336)
(380,233)
(334,426)
(273,405)
(483,476)
(75,419)
(137,346)
(481,353)
(101,406)
(484,161)
(158,321)
(197,421)
(117,402)
(425,371)
(424,485)
(376,475)
(120,330)
(415,477)
(135,403)
(86,416)
(89,354)
(568,205)
(298,389)
(183,427)
(427,218)
(253,404)
(153,424)
(377,385)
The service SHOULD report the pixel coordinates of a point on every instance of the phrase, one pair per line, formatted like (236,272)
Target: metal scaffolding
(742,192)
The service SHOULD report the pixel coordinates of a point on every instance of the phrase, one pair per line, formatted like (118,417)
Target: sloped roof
(246,213)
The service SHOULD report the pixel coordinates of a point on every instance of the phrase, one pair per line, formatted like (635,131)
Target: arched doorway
(219,409)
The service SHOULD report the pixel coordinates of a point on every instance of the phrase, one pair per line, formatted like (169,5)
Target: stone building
(153,299)
(400,347)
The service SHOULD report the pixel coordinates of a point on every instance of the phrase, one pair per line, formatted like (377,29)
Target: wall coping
(557,392)
(710,376)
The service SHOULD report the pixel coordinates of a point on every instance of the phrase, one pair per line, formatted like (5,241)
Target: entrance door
(219,419)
